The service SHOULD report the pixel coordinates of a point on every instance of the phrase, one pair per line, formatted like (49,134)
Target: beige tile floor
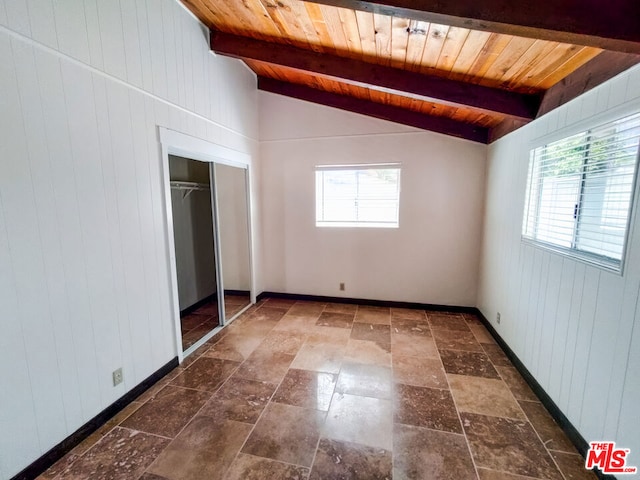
(307,390)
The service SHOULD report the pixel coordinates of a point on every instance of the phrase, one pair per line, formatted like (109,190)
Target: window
(580,191)
(357,195)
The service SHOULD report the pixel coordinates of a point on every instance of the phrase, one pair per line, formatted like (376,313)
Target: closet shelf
(189,187)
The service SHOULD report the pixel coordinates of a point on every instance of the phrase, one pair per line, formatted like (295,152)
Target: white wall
(433,257)
(571,324)
(84,286)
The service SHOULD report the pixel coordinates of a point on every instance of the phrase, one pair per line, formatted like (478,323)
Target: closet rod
(189,187)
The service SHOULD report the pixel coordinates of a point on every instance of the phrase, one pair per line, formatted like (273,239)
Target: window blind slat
(580,189)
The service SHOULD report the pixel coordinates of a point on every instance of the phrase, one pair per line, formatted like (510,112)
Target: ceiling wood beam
(610,25)
(598,70)
(391,113)
(379,77)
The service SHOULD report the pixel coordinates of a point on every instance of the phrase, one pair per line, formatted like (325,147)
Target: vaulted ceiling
(469,68)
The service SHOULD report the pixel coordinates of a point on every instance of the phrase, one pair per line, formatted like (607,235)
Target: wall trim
(41,464)
(365,301)
(563,422)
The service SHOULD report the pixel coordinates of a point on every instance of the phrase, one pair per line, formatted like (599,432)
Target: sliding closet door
(231,189)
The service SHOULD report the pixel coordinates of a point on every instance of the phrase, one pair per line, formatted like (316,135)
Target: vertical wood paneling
(93,33)
(601,353)
(26,243)
(555,359)
(56,133)
(111,33)
(18,16)
(145,45)
(170,54)
(42,25)
(572,335)
(3,14)
(131,40)
(82,227)
(18,412)
(156,40)
(71,29)
(548,320)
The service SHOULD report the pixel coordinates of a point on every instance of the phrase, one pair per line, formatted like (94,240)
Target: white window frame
(601,261)
(321,222)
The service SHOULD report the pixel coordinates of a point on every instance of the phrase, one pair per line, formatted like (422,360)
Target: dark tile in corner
(468,363)
(426,407)
(548,430)
(572,466)
(206,374)
(122,454)
(508,445)
(168,411)
(350,461)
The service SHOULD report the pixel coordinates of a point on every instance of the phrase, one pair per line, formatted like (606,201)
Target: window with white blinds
(357,195)
(580,192)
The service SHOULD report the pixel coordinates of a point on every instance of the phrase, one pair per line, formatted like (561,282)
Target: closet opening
(208,228)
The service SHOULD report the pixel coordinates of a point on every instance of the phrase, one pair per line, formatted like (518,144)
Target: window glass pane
(580,190)
(355,196)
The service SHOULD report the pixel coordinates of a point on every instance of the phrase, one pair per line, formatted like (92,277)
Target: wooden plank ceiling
(394,61)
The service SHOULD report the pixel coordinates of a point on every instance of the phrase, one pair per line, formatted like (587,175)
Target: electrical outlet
(117,377)
(342,287)
(498,318)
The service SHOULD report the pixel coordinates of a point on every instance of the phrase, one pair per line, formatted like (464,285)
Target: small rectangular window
(357,195)
(580,191)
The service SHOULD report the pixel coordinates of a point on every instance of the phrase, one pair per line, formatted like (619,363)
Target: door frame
(193,148)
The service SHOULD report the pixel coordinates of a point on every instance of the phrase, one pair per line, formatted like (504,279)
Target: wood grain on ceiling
(480,64)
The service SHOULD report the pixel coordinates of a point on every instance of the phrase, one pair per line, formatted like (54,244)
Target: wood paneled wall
(84,285)
(574,326)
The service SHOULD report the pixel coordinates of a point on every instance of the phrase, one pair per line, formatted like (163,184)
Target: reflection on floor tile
(304,388)
(320,357)
(298,390)
(363,420)
(365,380)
